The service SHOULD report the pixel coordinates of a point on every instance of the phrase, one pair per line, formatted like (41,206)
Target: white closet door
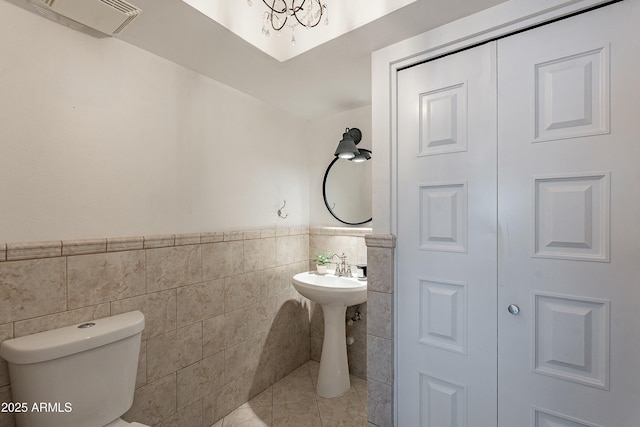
(569,215)
(447,242)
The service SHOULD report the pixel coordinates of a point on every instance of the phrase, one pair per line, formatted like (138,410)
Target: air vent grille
(98,18)
(124,24)
(64,21)
(122,6)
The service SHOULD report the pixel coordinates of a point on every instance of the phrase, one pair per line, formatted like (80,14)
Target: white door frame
(498,21)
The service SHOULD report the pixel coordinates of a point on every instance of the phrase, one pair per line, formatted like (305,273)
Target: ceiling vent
(99,18)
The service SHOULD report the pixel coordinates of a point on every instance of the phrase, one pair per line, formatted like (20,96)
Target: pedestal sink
(334,294)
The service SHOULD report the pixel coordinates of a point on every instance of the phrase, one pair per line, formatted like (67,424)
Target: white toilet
(78,376)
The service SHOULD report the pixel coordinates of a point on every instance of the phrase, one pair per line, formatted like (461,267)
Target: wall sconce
(362,157)
(347,146)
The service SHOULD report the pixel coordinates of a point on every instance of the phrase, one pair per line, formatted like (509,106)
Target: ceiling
(330,78)
(336,18)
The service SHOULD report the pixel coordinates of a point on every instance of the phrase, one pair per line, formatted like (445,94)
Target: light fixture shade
(362,157)
(347,147)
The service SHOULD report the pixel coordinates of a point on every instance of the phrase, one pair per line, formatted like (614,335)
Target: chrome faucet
(342,268)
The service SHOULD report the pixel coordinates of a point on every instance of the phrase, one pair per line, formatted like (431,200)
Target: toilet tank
(80,375)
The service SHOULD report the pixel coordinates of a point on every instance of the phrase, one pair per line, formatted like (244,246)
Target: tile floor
(292,402)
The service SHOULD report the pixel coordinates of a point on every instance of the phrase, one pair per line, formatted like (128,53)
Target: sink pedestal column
(333,377)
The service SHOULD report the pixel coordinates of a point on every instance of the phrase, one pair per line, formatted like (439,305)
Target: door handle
(513,309)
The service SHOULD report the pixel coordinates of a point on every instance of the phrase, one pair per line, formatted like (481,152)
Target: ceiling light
(281,13)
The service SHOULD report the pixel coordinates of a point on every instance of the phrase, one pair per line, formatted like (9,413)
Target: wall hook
(280,211)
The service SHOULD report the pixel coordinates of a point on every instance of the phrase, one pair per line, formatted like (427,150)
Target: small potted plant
(321,261)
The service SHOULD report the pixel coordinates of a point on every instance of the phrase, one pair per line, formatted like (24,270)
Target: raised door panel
(443,217)
(442,404)
(572,217)
(570,339)
(572,95)
(443,120)
(443,315)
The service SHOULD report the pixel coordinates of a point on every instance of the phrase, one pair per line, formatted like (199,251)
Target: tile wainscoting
(223,322)
(219,309)
(380,346)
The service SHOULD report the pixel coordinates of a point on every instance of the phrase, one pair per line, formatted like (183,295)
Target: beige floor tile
(359,420)
(292,402)
(299,414)
(264,398)
(361,388)
(314,368)
(344,411)
(295,387)
(302,371)
(249,417)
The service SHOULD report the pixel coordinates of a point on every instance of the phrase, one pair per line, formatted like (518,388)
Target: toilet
(77,376)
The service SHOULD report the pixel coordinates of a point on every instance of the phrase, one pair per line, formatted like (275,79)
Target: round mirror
(347,190)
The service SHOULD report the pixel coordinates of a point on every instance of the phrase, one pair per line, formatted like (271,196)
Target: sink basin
(334,294)
(330,289)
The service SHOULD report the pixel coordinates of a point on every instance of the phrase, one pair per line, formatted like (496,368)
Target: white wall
(324,135)
(101,139)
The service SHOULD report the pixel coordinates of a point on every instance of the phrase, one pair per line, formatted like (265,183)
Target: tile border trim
(58,248)
(81,247)
(340,231)
(29,250)
(380,241)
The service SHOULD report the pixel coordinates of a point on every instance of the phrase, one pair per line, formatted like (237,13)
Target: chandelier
(291,13)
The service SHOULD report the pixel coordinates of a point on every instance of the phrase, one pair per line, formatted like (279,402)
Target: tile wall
(380,335)
(351,242)
(222,319)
